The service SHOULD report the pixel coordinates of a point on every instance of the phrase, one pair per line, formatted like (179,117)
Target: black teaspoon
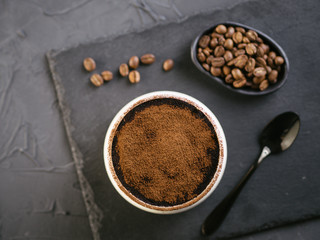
(276,137)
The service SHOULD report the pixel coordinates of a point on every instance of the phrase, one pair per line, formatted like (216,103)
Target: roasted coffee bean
(214,42)
(96,80)
(218,62)
(221,41)
(168,65)
(231,62)
(107,75)
(206,52)
(221,29)
(251,49)
(234,50)
(228,79)
(134,76)
(134,62)
(272,55)
(201,57)
(241,61)
(228,44)
(237,37)
(261,62)
(206,66)
(250,74)
(226,70)
(239,83)
(219,51)
(249,84)
(228,56)
(263,85)
(265,57)
(237,74)
(272,76)
(265,48)
(242,45)
(239,52)
(252,35)
(270,62)
(259,72)
(204,41)
(215,71)
(209,59)
(269,69)
(89,64)
(279,60)
(216,35)
(258,80)
(147,58)
(124,70)
(250,65)
(260,51)
(245,40)
(200,50)
(259,40)
(241,29)
(230,32)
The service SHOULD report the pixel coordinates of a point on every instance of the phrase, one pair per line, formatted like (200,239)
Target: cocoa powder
(165,152)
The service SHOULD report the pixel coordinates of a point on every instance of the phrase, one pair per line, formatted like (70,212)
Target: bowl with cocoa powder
(165,152)
(240,58)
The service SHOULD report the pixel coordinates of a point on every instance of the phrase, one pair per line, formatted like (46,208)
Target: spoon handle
(216,217)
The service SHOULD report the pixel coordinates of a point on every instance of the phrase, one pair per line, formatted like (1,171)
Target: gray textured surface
(40,196)
(278,194)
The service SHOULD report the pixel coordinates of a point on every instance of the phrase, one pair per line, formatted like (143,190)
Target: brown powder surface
(165,153)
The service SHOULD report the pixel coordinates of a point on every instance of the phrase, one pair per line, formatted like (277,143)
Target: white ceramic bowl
(133,199)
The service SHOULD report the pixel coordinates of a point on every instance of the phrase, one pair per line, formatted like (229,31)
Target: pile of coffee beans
(240,57)
(125,69)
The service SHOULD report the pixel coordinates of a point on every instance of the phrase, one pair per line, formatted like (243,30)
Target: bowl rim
(107,153)
(250,92)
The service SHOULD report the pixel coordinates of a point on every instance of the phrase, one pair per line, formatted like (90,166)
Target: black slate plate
(283,190)
(274,46)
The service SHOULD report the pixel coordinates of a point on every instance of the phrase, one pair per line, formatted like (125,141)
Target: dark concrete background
(40,197)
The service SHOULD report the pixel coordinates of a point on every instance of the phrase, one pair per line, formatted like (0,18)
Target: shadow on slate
(282,191)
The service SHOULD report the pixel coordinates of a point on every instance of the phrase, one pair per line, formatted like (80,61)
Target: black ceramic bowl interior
(282,76)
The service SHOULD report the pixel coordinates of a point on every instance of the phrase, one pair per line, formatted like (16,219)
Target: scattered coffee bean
(147,58)
(240,57)
(89,64)
(168,65)
(134,76)
(107,75)
(134,62)
(124,70)
(96,80)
